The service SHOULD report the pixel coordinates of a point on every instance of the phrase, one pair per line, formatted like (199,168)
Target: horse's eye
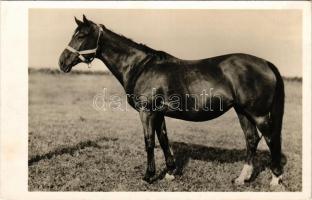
(81,36)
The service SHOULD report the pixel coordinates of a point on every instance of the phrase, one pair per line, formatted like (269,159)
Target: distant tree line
(92,72)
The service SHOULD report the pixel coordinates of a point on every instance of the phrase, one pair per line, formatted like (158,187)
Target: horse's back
(236,79)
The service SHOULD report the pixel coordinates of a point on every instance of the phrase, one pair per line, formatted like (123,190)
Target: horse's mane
(139,46)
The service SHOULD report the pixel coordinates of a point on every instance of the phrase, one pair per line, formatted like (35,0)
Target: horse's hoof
(276,180)
(147,179)
(245,175)
(239,181)
(276,183)
(169,177)
(277,188)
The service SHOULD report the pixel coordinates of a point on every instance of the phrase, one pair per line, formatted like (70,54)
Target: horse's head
(82,46)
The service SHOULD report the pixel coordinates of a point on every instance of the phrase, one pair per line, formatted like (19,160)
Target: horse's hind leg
(164,143)
(252,139)
(273,139)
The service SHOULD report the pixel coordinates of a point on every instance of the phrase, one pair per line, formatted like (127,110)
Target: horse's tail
(277,110)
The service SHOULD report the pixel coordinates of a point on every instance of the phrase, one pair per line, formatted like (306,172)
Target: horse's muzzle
(66,62)
(65,68)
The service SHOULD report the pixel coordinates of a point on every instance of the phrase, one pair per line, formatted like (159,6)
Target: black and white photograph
(167,99)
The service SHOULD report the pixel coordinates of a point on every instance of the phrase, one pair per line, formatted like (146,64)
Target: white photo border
(14,99)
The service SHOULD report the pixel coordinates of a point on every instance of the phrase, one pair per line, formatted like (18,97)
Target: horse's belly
(197,115)
(199,107)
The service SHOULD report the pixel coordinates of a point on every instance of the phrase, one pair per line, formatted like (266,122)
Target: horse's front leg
(148,122)
(164,143)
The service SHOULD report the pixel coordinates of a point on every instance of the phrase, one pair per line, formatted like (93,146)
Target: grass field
(74,147)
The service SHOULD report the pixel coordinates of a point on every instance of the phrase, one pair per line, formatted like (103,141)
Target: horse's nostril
(61,63)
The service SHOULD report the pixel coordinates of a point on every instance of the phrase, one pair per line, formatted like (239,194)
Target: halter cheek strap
(89,51)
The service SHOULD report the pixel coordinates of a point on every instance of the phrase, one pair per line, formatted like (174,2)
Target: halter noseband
(89,51)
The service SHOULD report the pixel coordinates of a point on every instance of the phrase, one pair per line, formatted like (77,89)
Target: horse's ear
(85,20)
(78,22)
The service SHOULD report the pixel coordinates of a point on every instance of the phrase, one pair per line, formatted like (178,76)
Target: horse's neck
(119,54)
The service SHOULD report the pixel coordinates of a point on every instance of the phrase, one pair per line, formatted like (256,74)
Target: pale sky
(275,35)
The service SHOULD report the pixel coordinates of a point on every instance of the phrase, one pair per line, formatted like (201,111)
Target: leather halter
(89,51)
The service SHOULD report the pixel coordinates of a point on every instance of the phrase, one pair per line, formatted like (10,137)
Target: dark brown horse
(158,85)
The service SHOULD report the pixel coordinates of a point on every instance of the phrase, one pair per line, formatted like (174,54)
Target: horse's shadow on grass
(69,149)
(183,152)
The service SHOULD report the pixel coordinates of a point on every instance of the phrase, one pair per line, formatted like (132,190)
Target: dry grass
(73,147)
